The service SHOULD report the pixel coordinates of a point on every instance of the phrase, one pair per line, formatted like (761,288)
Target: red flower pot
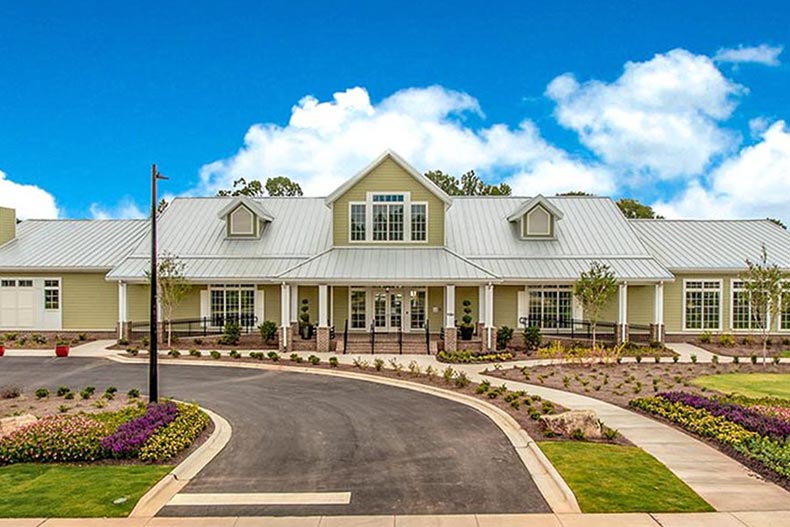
(61,351)
(2,350)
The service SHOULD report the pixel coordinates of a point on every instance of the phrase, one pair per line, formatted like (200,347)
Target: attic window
(242,222)
(537,222)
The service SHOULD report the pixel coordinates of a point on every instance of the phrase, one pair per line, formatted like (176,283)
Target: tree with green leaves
(468,185)
(633,210)
(282,186)
(764,285)
(594,289)
(172,287)
(778,222)
(575,193)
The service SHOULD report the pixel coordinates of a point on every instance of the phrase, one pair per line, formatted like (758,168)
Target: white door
(17,304)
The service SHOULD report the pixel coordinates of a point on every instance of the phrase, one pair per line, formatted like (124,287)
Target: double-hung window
(232,303)
(742,315)
(784,314)
(358,222)
(52,294)
(702,305)
(419,222)
(388,217)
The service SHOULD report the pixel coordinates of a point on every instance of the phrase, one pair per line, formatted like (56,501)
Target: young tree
(764,284)
(172,287)
(594,289)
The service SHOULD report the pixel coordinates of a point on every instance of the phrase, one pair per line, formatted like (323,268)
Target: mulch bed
(619,383)
(27,403)
(779,347)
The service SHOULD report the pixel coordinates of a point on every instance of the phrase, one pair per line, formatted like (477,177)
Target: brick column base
(124,330)
(280,344)
(451,339)
(322,339)
(621,333)
(657,333)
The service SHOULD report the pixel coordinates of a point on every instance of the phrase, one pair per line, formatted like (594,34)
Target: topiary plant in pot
(305,328)
(62,348)
(467,328)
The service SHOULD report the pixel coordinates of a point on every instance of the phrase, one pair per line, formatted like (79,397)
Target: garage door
(17,304)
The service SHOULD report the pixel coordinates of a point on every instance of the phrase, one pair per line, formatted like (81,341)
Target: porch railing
(427,336)
(372,338)
(204,326)
(345,338)
(568,327)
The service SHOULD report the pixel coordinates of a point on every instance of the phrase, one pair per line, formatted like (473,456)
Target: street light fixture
(153,348)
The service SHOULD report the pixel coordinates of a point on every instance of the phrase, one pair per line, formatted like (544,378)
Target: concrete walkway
(686,350)
(96,348)
(716,519)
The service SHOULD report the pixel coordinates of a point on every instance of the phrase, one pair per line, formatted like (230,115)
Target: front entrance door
(387,309)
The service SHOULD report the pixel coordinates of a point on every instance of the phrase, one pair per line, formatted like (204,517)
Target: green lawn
(748,384)
(613,478)
(30,490)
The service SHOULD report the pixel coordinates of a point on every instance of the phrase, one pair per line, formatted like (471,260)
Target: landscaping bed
(756,432)
(619,383)
(46,340)
(743,345)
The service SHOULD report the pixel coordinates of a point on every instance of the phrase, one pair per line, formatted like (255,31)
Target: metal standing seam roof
(206,269)
(713,244)
(569,269)
(70,244)
(382,264)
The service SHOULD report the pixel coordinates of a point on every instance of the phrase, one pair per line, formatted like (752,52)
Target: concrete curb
(554,489)
(170,485)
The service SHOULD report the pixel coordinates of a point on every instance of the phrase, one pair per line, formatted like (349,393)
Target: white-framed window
(358,221)
(784,314)
(25,283)
(7,283)
(550,306)
(702,305)
(358,308)
(742,317)
(52,294)
(242,222)
(419,222)
(537,222)
(388,217)
(232,303)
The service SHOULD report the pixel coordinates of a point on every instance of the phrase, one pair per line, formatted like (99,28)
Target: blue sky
(93,92)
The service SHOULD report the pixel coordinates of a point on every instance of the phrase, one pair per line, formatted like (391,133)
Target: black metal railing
(345,338)
(427,336)
(569,327)
(372,338)
(400,340)
(204,326)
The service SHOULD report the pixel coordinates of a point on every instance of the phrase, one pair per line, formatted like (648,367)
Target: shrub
(448,374)
(577,434)
(85,393)
(62,390)
(69,395)
(414,368)
(714,359)
(314,360)
(504,335)
(753,358)
(638,359)
(273,356)
(736,360)
(231,334)
(42,393)
(675,358)
(198,341)
(333,362)
(145,342)
(127,440)
(195,353)
(532,337)
(295,357)
(706,337)
(726,340)
(174,353)
(748,340)
(234,354)
(38,339)
(378,364)
(215,355)
(10,392)
(134,393)
(362,364)
(466,357)
(168,441)
(268,331)
(693,358)
(609,433)
(133,351)
(461,380)
(62,438)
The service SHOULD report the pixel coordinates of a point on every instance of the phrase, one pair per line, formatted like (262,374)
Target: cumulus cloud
(660,117)
(752,184)
(762,54)
(29,201)
(126,209)
(326,142)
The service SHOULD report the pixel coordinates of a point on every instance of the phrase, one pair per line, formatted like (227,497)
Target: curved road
(397,451)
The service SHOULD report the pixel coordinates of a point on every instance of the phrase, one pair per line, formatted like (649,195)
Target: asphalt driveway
(396,451)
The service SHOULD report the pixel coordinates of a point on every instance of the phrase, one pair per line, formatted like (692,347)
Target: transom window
(7,283)
(25,283)
(550,306)
(52,294)
(703,305)
(390,217)
(232,303)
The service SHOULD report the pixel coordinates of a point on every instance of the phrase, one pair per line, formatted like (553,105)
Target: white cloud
(762,54)
(660,117)
(29,201)
(326,142)
(126,209)
(752,184)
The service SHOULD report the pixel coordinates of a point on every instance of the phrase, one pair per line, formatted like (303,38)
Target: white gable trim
(250,203)
(424,181)
(531,204)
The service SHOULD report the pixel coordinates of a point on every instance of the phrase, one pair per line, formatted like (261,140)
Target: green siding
(89,302)
(641,301)
(340,307)
(138,302)
(466,293)
(190,306)
(7,224)
(309,292)
(271,303)
(435,308)
(506,305)
(388,177)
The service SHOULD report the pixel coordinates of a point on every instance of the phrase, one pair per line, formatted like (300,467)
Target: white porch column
(449,306)
(657,332)
(622,312)
(489,309)
(294,296)
(121,308)
(323,306)
(285,312)
(481,304)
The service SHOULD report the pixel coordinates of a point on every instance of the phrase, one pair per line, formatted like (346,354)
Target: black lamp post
(153,351)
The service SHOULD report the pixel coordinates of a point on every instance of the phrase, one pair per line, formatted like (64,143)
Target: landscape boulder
(12,424)
(565,423)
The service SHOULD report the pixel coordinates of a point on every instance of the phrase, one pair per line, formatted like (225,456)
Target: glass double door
(399,308)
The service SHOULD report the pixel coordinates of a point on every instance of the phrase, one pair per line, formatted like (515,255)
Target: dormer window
(536,218)
(244,218)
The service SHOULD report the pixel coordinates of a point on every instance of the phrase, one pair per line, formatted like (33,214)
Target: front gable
(389,180)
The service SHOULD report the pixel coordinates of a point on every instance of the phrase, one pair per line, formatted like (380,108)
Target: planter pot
(306,332)
(61,351)
(467,332)
(2,350)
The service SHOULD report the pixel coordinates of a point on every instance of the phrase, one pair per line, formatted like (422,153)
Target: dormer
(536,218)
(244,218)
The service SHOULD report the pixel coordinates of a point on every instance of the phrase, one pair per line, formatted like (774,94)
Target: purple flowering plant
(127,440)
